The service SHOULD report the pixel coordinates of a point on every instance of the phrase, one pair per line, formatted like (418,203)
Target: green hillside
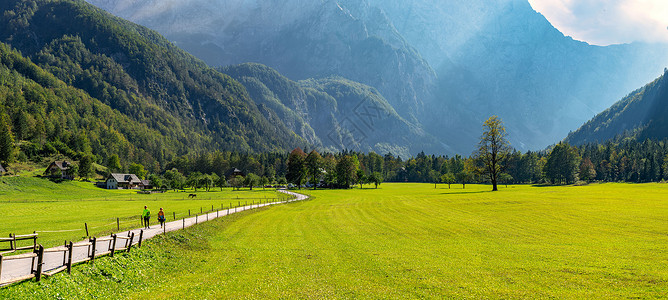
(640,115)
(167,101)
(333,112)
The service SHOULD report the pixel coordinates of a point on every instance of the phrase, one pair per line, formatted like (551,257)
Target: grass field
(58,211)
(404,241)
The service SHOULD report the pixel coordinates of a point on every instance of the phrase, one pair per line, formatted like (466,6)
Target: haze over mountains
(444,66)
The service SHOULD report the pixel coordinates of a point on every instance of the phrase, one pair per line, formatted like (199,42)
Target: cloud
(605,22)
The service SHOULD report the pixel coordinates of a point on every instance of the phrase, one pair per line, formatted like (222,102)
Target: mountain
(640,115)
(334,113)
(501,57)
(122,68)
(300,39)
(445,66)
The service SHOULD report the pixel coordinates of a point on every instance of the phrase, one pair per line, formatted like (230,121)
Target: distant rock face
(333,113)
(445,66)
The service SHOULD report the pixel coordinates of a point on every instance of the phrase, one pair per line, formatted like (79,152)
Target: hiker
(146,215)
(161,217)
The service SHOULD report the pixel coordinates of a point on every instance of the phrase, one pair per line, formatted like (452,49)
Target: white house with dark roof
(123,181)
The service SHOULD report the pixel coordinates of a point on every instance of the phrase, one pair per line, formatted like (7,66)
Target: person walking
(146,215)
(161,217)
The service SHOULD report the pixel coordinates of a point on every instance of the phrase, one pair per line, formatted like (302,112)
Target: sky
(605,22)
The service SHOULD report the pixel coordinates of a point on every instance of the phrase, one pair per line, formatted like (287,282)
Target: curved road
(12,269)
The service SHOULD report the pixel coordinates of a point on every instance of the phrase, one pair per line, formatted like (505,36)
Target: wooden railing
(38,253)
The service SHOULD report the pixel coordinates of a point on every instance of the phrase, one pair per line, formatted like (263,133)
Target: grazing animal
(192,195)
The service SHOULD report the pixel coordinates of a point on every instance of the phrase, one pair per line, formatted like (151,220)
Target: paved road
(21,267)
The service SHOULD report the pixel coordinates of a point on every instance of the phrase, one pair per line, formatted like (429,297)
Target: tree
(193,180)
(251,180)
(156,180)
(562,164)
(114,163)
(221,182)
(448,178)
(360,177)
(175,179)
(206,181)
(346,171)
(137,169)
(6,141)
(587,170)
(264,181)
(505,178)
(434,177)
(86,166)
(296,172)
(237,182)
(376,178)
(493,150)
(314,167)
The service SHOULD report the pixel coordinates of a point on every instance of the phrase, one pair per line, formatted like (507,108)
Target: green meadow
(58,211)
(403,241)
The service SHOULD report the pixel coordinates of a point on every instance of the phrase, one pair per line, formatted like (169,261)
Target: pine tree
(6,141)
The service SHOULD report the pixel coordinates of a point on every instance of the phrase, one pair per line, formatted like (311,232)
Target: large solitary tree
(493,150)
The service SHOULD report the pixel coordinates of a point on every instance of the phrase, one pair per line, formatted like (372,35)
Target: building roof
(146,182)
(125,178)
(61,164)
(2,169)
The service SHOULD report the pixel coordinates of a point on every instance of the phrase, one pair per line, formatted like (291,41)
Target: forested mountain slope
(334,112)
(642,114)
(142,76)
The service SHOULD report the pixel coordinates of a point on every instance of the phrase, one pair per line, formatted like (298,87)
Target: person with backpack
(161,217)
(146,215)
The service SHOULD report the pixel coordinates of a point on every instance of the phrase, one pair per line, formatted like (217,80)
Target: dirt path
(22,267)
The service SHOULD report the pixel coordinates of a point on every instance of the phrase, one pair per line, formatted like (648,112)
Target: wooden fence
(37,253)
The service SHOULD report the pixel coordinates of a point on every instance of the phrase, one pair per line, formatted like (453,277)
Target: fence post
(40,262)
(211,207)
(69,258)
(196,219)
(188,213)
(65,254)
(92,256)
(132,237)
(86,225)
(141,236)
(174,216)
(0,265)
(118,224)
(113,245)
(201,210)
(184,223)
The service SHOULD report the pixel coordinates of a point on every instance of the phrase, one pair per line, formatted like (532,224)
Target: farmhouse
(123,181)
(234,173)
(59,169)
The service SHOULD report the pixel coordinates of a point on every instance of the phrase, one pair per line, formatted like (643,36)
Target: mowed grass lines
(58,211)
(414,241)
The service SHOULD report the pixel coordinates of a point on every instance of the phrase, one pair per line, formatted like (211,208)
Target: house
(234,173)
(59,169)
(123,181)
(146,184)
